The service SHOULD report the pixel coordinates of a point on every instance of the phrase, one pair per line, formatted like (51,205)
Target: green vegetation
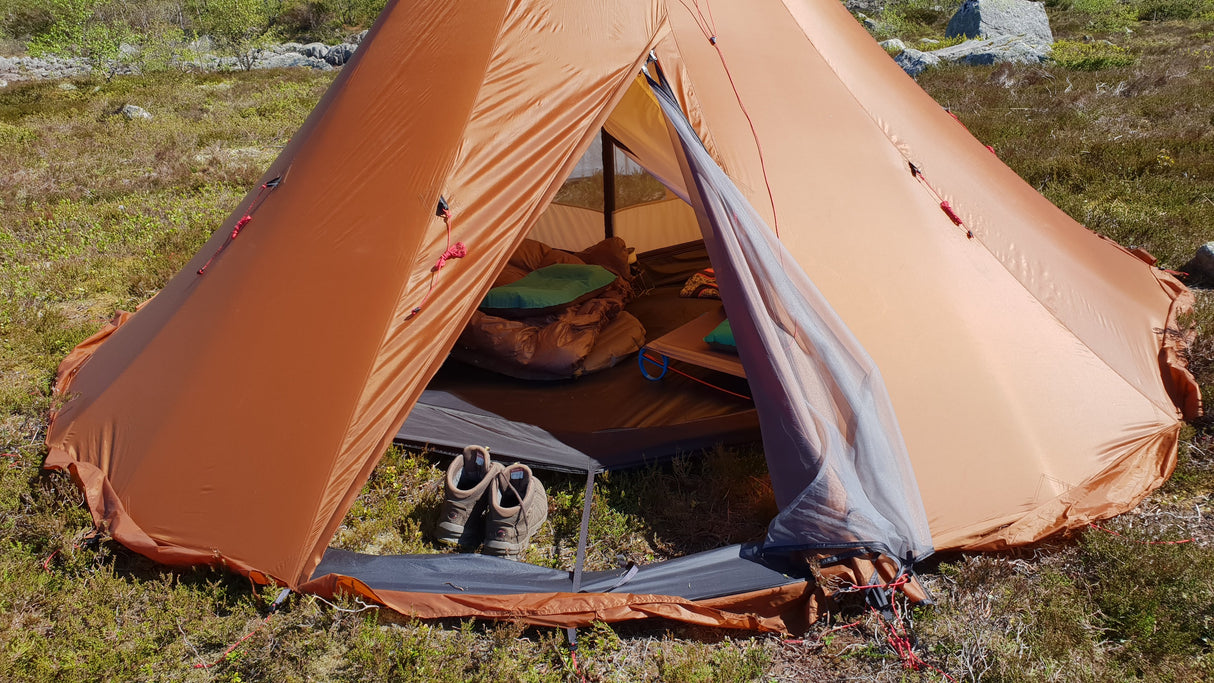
(1090,56)
(97,212)
(87,29)
(238,27)
(630,189)
(915,19)
(150,34)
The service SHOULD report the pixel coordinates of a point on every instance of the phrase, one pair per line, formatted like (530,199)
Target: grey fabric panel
(838,463)
(447,423)
(724,571)
(443,429)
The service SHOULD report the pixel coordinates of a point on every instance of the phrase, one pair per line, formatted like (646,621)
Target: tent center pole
(608,184)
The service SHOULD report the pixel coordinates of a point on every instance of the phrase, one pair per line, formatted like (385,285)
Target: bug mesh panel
(838,463)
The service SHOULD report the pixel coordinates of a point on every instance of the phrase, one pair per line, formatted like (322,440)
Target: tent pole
(608,184)
(583,533)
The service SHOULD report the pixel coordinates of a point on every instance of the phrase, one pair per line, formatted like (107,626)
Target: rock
(340,54)
(864,6)
(893,45)
(130,112)
(315,50)
(357,38)
(992,51)
(995,51)
(999,18)
(291,60)
(928,41)
(871,25)
(67,86)
(915,62)
(1202,264)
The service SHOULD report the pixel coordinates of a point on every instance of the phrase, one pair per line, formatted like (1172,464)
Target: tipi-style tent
(939,358)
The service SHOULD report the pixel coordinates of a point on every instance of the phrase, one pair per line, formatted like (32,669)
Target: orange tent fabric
(234,418)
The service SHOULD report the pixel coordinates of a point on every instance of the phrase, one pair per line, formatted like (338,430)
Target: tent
(939,358)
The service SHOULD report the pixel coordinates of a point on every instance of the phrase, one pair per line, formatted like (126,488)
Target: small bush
(1164,10)
(306,19)
(22,18)
(1079,56)
(915,19)
(1106,15)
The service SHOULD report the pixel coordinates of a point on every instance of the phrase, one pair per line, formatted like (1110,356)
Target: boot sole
(454,535)
(511,551)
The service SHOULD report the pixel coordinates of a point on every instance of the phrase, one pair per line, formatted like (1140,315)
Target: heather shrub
(1090,56)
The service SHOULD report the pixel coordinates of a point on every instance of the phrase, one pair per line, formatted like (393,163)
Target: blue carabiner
(641,358)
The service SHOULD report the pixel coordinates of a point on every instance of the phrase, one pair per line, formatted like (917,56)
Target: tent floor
(616,417)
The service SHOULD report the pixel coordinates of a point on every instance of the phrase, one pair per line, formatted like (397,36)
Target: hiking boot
(518,507)
(469,478)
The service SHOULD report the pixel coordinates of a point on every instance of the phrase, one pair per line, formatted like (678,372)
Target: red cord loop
(266,188)
(897,583)
(948,211)
(453,251)
(902,644)
(240,225)
(457,250)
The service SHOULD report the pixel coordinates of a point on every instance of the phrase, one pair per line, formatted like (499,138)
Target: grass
(96,212)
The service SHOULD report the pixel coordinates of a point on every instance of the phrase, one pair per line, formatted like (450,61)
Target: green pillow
(548,288)
(721,338)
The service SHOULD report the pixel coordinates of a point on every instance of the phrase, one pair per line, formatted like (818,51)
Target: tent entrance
(626,185)
(606,420)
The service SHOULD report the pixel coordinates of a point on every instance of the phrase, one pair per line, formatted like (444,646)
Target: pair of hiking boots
(502,505)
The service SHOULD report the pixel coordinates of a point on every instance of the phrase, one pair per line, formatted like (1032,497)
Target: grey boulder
(999,18)
(340,54)
(291,60)
(915,62)
(1201,266)
(130,112)
(995,51)
(315,50)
